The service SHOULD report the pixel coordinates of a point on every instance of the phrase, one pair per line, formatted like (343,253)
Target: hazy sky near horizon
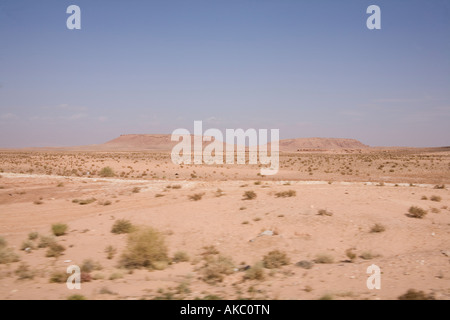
(308,68)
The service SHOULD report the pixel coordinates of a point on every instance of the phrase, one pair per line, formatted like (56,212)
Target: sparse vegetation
(33,236)
(275,259)
(286,194)
(215,268)
(196,196)
(416,212)
(76,297)
(7,255)
(83,202)
(107,172)
(256,272)
(350,254)
(180,256)
(323,212)
(377,228)
(59,229)
(89,265)
(46,241)
(110,252)
(136,190)
(145,249)
(54,250)
(122,226)
(436,198)
(367,255)
(59,277)
(249,195)
(412,294)
(324,259)
(23,272)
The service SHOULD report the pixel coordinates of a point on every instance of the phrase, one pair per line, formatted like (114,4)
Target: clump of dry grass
(367,255)
(323,212)
(377,228)
(249,195)
(145,249)
(209,250)
(23,272)
(412,294)
(122,226)
(256,272)
(196,196)
(436,198)
(350,254)
(83,202)
(90,265)
(286,194)
(59,229)
(416,212)
(324,259)
(59,277)
(107,172)
(215,268)
(54,250)
(275,259)
(180,256)
(7,255)
(110,252)
(136,190)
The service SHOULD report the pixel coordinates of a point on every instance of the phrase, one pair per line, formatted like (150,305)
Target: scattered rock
(266,233)
(305,264)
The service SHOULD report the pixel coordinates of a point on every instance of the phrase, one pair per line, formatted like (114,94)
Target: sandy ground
(37,189)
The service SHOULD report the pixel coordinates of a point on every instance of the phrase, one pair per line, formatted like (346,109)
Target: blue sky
(308,68)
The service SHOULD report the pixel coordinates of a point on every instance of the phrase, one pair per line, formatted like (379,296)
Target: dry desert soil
(225,232)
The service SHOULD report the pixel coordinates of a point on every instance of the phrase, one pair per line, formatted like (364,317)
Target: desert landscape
(141,227)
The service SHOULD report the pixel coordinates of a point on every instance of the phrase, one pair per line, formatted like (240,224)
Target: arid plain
(141,227)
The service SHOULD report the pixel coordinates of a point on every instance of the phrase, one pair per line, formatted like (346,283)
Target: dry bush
(54,250)
(256,272)
(76,297)
(215,268)
(23,272)
(249,195)
(324,259)
(107,172)
(7,255)
(46,241)
(136,190)
(110,252)
(436,198)
(416,212)
(83,202)
(59,277)
(145,249)
(33,236)
(59,229)
(367,255)
(122,226)
(196,196)
(377,228)
(89,265)
(180,256)
(209,250)
(412,294)
(286,194)
(323,212)
(350,254)
(275,259)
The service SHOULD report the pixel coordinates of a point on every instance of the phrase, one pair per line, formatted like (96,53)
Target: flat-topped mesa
(301,144)
(164,142)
